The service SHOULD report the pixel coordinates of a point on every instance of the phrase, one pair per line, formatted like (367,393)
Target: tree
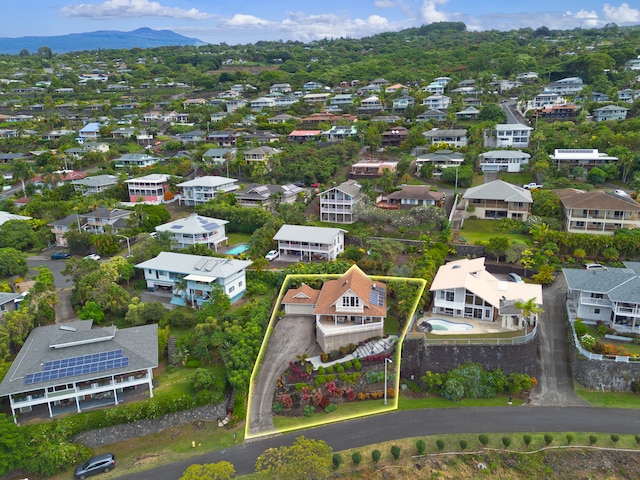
(22,171)
(492,112)
(356,458)
(17,234)
(529,308)
(395,452)
(596,176)
(498,246)
(306,458)
(13,444)
(375,456)
(12,262)
(209,471)
(91,311)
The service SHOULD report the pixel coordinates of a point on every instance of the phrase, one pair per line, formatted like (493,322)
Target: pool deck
(479,326)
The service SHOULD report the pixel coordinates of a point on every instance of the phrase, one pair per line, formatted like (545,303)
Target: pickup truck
(531,186)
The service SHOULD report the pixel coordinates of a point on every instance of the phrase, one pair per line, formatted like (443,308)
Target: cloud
(313,27)
(241,20)
(622,14)
(586,18)
(131,8)
(384,4)
(430,13)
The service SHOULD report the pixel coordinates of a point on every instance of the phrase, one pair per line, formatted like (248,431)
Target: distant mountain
(104,39)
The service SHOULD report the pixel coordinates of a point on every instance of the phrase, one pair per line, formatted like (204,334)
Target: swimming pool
(238,249)
(441,324)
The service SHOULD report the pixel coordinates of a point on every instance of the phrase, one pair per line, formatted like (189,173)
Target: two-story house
(338,133)
(437,102)
(499,199)
(411,196)
(337,203)
(507,135)
(150,188)
(260,154)
(305,243)
(191,278)
(94,185)
(202,189)
(394,137)
(586,158)
(610,113)
(267,196)
(503,160)
(196,230)
(440,159)
(456,138)
(105,220)
(139,160)
(597,212)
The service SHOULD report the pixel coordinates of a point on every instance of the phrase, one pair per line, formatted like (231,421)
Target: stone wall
(418,357)
(607,374)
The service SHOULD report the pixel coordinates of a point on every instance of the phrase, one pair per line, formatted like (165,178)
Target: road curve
(412,423)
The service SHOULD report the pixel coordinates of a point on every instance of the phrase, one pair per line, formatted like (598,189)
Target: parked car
(93,256)
(60,255)
(514,277)
(272,255)
(97,464)
(532,186)
(621,193)
(594,266)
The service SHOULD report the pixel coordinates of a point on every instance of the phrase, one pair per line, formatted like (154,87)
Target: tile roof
(597,199)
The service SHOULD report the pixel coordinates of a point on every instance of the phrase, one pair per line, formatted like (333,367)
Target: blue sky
(247,21)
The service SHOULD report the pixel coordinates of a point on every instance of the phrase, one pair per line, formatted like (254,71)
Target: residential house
(337,203)
(468,113)
(499,199)
(434,88)
(196,230)
(456,138)
(72,367)
(93,185)
(260,154)
(60,227)
(411,196)
(202,189)
(437,102)
(192,278)
(267,196)
(218,156)
(597,212)
(464,289)
(328,117)
(507,135)
(342,99)
(262,136)
(282,118)
(394,137)
(123,132)
(302,136)
(398,87)
(633,64)
(347,310)
(547,100)
(193,102)
(607,295)
(6,216)
(234,105)
(139,160)
(402,103)
(105,220)
(262,102)
(371,103)
(586,158)
(280,88)
(442,80)
(440,160)
(628,95)
(568,111)
(610,113)
(91,131)
(432,116)
(9,302)
(152,188)
(527,77)
(565,86)
(338,133)
(503,160)
(316,98)
(193,136)
(307,243)
(371,167)
(57,178)
(223,138)
(472,102)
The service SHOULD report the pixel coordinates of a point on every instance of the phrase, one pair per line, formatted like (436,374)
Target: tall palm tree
(529,308)
(22,171)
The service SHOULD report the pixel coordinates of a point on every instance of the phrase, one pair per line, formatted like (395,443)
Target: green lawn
(391,325)
(630,347)
(476,230)
(609,399)
(411,403)
(235,238)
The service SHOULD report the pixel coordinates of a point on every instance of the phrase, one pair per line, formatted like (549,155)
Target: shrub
(348,365)
(330,369)
(307,411)
(548,438)
(375,456)
(440,444)
(324,357)
(483,439)
(395,452)
(526,439)
(580,328)
(421,447)
(350,394)
(593,439)
(637,437)
(330,408)
(337,460)
(277,407)
(340,369)
(357,365)
(506,441)
(325,402)
(356,458)
(569,438)
(602,330)
(463,444)
(321,370)
(285,400)
(615,438)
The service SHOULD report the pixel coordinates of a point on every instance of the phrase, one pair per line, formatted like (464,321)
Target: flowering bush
(351,395)
(285,400)
(588,341)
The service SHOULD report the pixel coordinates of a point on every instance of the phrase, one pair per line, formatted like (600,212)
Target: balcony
(329,327)
(603,302)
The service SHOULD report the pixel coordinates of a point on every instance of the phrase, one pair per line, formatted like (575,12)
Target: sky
(248,21)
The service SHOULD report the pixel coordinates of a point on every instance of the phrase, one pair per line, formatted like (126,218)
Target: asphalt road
(413,423)
(64,311)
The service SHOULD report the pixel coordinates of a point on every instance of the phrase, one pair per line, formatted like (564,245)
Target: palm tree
(22,171)
(529,308)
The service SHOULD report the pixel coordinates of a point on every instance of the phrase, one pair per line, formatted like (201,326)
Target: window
(231,289)
(450,296)
(350,302)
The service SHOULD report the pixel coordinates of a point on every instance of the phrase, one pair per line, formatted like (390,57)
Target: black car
(97,464)
(60,255)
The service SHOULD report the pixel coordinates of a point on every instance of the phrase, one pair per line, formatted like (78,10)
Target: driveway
(555,382)
(63,285)
(293,335)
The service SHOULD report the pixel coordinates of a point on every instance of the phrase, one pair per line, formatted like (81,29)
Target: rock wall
(607,374)
(418,357)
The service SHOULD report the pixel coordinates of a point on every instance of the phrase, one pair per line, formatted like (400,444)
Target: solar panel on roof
(81,365)
(201,264)
(376,297)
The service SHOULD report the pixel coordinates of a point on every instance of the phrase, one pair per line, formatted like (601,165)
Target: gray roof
(600,280)
(97,180)
(499,190)
(445,133)
(350,187)
(256,191)
(6,216)
(185,264)
(192,225)
(75,339)
(505,154)
(306,234)
(6,297)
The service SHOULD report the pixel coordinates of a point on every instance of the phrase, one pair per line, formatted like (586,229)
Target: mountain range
(103,39)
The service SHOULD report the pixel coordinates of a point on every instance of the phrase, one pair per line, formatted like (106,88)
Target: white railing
(470,340)
(340,330)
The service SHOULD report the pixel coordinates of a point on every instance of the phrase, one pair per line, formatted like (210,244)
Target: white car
(272,255)
(621,193)
(93,256)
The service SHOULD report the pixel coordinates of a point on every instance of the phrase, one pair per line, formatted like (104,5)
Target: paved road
(555,382)
(64,310)
(413,423)
(293,335)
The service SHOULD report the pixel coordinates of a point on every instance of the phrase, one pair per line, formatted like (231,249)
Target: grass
(175,380)
(476,230)
(630,347)
(608,399)
(391,325)
(411,403)
(235,238)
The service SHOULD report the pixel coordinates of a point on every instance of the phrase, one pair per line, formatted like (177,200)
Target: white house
(310,243)
(93,185)
(506,135)
(139,160)
(437,102)
(610,113)
(196,230)
(456,137)
(503,160)
(464,288)
(150,188)
(202,189)
(499,199)
(586,158)
(191,278)
(337,203)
